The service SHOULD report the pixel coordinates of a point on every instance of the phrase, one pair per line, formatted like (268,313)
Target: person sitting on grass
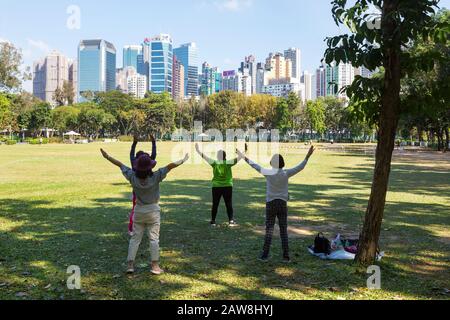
(133,157)
(276,198)
(145,185)
(222,184)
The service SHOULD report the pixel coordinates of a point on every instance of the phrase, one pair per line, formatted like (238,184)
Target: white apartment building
(307,81)
(295,55)
(283,89)
(137,85)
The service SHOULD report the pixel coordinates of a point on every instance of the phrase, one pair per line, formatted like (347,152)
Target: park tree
(120,105)
(68,92)
(65,118)
(7,117)
(315,115)
(39,118)
(283,116)
(11,76)
(58,97)
(294,106)
(381,43)
(160,110)
(93,120)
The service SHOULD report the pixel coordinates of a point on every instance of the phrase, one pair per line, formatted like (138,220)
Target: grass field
(64,205)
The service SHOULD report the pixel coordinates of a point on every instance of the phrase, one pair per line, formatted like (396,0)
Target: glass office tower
(131,55)
(161,59)
(96,67)
(187,54)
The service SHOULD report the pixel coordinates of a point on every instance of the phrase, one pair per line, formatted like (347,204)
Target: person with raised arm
(222,184)
(133,157)
(145,185)
(277,196)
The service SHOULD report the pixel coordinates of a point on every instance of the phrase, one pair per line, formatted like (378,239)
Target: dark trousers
(276,209)
(227,194)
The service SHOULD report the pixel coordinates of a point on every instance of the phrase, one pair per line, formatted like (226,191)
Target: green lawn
(64,205)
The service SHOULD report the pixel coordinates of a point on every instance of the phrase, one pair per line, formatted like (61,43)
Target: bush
(11,142)
(55,140)
(36,141)
(126,139)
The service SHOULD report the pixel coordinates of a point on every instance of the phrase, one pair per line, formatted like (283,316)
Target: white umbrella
(72,133)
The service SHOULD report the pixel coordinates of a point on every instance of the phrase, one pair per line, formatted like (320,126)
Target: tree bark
(447,138)
(388,123)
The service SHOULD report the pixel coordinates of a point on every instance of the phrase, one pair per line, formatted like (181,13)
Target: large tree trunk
(447,138)
(388,122)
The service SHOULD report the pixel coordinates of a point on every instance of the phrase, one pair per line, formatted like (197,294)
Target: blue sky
(224,30)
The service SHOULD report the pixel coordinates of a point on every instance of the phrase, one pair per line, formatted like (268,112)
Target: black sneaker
(233,223)
(263,258)
(213,224)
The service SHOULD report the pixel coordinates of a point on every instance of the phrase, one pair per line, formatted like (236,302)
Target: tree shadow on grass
(204,263)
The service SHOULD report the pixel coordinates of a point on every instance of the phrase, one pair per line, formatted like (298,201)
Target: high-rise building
(73,77)
(210,80)
(283,89)
(130,56)
(122,75)
(250,66)
(278,69)
(295,56)
(337,77)
(321,84)
(50,73)
(231,81)
(259,78)
(187,54)
(137,85)
(364,72)
(308,83)
(96,66)
(161,63)
(178,78)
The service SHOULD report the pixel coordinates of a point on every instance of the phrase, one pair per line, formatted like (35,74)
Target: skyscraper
(178,80)
(321,82)
(161,64)
(337,77)
(211,80)
(278,69)
(259,78)
(295,56)
(130,56)
(187,54)
(137,85)
(96,66)
(307,81)
(249,66)
(51,73)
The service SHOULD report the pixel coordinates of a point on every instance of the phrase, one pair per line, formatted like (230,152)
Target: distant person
(133,157)
(147,217)
(276,199)
(222,184)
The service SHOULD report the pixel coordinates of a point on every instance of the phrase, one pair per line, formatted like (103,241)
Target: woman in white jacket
(277,197)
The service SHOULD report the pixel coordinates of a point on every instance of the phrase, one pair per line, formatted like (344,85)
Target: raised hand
(186,157)
(152,138)
(104,154)
(136,138)
(240,154)
(311,152)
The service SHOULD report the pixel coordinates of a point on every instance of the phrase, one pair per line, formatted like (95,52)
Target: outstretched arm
(207,159)
(154,154)
(133,150)
(292,172)
(111,159)
(251,163)
(174,165)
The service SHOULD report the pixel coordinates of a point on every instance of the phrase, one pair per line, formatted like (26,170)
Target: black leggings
(227,194)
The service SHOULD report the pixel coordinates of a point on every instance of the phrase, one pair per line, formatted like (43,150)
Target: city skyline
(242,28)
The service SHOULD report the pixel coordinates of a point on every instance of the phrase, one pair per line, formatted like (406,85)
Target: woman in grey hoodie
(277,197)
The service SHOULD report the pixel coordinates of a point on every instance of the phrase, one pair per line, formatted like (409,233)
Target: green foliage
(65,118)
(40,117)
(315,112)
(11,76)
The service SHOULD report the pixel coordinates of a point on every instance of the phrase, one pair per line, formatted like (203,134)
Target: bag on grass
(322,244)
